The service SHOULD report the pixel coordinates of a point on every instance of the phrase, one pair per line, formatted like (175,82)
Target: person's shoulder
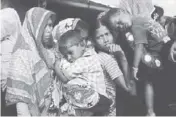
(105,56)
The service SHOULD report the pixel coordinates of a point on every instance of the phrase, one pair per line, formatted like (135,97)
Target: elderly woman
(30,78)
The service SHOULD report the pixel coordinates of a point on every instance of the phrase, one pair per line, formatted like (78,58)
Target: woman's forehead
(102,30)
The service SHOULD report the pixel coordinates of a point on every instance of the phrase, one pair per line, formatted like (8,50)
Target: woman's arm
(120,81)
(138,52)
(123,65)
(172,55)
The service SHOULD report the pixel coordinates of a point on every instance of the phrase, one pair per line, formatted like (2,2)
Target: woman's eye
(106,34)
(70,53)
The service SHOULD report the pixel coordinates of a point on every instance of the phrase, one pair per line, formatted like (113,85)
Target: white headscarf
(10,29)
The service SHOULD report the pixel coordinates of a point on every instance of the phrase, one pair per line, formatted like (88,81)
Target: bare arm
(59,74)
(120,81)
(124,66)
(138,52)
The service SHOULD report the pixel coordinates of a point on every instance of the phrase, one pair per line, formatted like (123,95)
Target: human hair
(106,18)
(83,27)
(68,40)
(158,10)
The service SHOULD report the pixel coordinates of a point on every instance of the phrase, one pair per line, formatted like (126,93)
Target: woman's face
(47,39)
(103,38)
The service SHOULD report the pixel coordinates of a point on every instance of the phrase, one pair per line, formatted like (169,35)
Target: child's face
(72,52)
(120,21)
(103,38)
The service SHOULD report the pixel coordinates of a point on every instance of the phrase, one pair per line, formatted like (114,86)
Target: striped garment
(111,71)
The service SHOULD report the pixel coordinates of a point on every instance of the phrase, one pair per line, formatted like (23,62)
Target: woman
(9,18)
(30,79)
(112,58)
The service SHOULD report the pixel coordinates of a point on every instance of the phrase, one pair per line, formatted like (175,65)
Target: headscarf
(30,77)
(71,24)
(10,29)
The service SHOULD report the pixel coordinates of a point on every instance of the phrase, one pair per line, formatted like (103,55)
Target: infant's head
(72,45)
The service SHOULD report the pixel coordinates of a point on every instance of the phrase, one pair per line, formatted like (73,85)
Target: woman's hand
(134,73)
(114,48)
(172,55)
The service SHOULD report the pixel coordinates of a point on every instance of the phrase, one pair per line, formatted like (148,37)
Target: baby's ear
(83,42)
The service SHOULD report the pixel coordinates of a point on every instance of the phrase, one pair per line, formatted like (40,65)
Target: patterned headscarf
(69,24)
(30,77)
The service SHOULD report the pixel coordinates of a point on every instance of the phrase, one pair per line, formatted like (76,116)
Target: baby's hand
(57,63)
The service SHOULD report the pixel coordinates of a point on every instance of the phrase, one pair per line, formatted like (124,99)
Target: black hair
(106,18)
(158,10)
(68,37)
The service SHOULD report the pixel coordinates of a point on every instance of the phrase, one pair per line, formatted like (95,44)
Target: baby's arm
(59,73)
(138,52)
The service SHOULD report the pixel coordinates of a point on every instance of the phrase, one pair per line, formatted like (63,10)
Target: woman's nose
(69,57)
(50,29)
(105,39)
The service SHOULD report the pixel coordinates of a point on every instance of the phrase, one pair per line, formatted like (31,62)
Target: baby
(81,62)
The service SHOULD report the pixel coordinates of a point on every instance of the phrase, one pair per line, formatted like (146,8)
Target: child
(82,63)
(108,51)
(146,37)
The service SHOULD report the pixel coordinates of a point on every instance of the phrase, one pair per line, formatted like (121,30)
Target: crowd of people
(73,70)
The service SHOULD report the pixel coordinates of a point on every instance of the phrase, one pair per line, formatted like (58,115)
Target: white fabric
(22,109)
(88,66)
(10,29)
(64,26)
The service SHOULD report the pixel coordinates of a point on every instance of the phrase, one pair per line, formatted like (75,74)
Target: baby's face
(120,21)
(73,52)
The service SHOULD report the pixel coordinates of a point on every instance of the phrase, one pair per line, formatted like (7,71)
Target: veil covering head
(30,77)
(10,30)
(70,24)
